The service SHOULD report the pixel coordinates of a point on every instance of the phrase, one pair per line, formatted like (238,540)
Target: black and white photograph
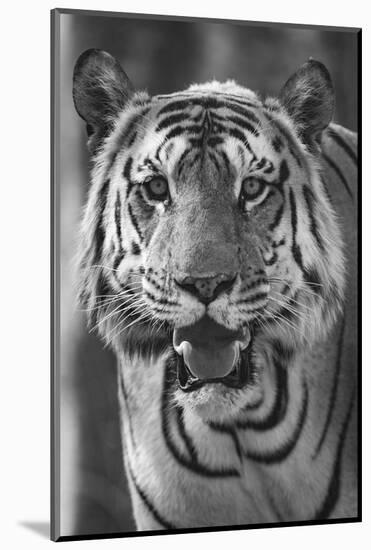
(205,234)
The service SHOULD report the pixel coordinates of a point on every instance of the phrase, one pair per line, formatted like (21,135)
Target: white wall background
(24,230)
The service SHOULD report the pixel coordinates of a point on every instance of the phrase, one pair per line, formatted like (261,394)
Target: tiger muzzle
(210,353)
(207,289)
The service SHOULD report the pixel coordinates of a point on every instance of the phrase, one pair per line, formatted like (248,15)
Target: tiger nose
(207,289)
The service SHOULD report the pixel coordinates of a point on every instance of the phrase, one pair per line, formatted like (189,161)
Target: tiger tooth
(243,344)
(175,346)
(237,354)
(181,348)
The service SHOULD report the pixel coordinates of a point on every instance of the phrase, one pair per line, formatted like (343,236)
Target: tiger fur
(215,182)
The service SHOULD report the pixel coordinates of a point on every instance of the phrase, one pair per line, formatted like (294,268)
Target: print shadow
(41,528)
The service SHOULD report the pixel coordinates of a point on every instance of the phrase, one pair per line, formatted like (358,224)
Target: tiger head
(208,231)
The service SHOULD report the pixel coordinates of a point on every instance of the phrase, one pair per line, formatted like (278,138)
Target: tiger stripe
(164,523)
(333,490)
(344,145)
(295,248)
(193,463)
(310,201)
(333,394)
(100,231)
(281,448)
(339,173)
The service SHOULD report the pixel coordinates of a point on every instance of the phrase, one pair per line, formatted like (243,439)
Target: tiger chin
(211,260)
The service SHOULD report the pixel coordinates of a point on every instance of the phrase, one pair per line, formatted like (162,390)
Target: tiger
(217,259)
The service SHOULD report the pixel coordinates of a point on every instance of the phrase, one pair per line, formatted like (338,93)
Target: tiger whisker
(122,305)
(291,300)
(118,294)
(104,304)
(301,289)
(278,317)
(104,301)
(119,308)
(117,325)
(289,308)
(139,320)
(261,320)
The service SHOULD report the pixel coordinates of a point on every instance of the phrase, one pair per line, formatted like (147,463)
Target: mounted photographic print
(205,271)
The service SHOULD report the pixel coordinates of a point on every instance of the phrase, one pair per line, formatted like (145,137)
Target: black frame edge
(54,282)
(190,19)
(228,528)
(359,270)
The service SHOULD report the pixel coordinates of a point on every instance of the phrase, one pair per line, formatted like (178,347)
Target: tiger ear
(100,90)
(308,97)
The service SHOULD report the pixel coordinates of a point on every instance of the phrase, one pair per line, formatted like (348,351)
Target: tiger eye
(252,188)
(157,188)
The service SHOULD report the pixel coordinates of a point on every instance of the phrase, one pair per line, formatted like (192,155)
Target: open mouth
(209,353)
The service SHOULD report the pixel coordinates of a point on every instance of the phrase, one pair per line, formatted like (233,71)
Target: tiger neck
(171,453)
(292,396)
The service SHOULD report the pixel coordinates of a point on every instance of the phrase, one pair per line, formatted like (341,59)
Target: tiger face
(208,232)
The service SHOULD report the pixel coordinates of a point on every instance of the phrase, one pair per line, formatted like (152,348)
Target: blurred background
(160,56)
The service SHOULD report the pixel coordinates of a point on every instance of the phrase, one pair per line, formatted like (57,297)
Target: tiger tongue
(210,362)
(209,350)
